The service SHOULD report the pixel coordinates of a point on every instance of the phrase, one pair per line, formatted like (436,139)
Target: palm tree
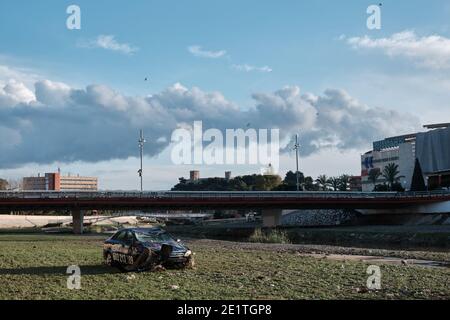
(391,174)
(374,174)
(335,183)
(344,182)
(323,182)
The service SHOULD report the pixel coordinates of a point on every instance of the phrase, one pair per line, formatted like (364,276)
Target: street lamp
(296,147)
(141,149)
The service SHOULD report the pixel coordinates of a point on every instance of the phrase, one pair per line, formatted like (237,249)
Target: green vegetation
(391,175)
(269,236)
(255,182)
(258,182)
(374,175)
(34,267)
(323,182)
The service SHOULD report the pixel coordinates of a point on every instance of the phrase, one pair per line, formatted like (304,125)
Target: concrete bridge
(270,203)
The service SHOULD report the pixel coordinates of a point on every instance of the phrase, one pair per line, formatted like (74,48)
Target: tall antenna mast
(141,149)
(296,147)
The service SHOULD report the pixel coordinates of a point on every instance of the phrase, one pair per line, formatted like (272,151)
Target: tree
(289,182)
(391,174)
(309,184)
(245,183)
(3,184)
(374,175)
(291,178)
(397,186)
(344,184)
(335,183)
(323,182)
(182,180)
(418,182)
(381,187)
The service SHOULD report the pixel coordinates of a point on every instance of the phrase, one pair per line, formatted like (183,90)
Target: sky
(76,98)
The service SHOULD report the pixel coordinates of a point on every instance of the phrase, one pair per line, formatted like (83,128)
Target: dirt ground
(340,253)
(30,221)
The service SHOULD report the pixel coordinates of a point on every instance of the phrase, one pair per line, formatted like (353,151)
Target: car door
(118,247)
(127,248)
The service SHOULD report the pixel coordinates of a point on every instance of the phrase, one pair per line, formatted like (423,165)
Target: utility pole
(141,149)
(296,147)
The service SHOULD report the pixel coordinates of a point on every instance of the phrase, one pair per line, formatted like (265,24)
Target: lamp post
(141,149)
(296,147)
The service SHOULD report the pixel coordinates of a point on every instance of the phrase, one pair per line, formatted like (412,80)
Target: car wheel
(190,263)
(109,260)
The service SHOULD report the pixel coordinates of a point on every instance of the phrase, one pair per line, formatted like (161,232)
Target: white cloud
(429,51)
(23,75)
(199,52)
(250,68)
(14,92)
(109,42)
(97,123)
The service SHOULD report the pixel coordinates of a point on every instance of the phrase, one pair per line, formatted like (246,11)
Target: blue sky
(302,43)
(297,39)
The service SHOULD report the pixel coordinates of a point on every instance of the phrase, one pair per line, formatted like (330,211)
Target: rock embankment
(314,218)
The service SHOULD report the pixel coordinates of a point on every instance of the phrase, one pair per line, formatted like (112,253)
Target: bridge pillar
(271,217)
(77,221)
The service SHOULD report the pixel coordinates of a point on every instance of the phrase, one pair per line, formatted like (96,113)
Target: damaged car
(143,249)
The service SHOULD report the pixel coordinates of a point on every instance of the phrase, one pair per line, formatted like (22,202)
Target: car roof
(144,230)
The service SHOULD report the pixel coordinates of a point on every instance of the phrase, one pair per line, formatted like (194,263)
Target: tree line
(258,182)
(389,176)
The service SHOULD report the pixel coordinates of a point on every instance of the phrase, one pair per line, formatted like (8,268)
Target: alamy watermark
(74,278)
(73,22)
(237,147)
(374,20)
(374,279)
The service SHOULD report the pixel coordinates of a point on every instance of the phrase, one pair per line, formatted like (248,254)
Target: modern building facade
(433,153)
(431,148)
(57,182)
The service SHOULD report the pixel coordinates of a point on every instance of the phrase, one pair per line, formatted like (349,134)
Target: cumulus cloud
(199,52)
(428,51)
(14,74)
(14,92)
(56,122)
(109,42)
(250,68)
(345,123)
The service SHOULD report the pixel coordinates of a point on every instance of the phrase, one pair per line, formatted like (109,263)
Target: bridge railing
(212,195)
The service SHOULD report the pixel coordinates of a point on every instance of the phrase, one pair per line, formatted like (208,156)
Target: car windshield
(153,237)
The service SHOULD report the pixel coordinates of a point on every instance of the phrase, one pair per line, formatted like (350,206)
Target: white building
(403,156)
(431,148)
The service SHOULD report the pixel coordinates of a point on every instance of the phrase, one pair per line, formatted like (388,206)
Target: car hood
(177,246)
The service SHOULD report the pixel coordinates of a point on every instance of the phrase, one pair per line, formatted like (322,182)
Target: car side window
(129,237)
(120,236)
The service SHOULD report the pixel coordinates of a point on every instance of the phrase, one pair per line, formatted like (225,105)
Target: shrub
(271,236)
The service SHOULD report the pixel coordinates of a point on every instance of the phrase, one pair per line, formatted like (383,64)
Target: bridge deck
(215,200)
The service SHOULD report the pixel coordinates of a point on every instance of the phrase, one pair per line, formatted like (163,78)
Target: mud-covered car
(141,249)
